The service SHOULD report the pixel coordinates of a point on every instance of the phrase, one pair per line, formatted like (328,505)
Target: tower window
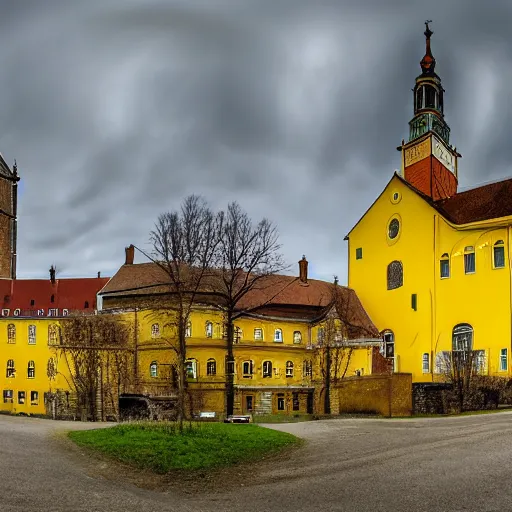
(469,260)
(419,98)
(445,265)
(430,97)
(499,254)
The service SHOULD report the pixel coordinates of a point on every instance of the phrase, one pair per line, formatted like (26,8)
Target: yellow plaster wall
(481,299)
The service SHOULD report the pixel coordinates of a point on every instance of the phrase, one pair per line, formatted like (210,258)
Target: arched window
(11,372)
(308,368)
(430,97)
(31,334)
(289,368)
(419,98)
(53,332)
(209,329)
(211,367)
(267,369)
(445,265)
(297,337)
(153,369)
(247,369)
(462,338)
(278,335)
(31,370)
(395,275)
(155,330)
(499,254)
(11,333)
(469,260)
(188,330)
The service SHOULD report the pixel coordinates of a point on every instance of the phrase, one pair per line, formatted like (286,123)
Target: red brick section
(444,182)
(432,178)
(5,227)
(419,175)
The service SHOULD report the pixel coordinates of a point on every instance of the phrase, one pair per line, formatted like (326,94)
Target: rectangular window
(359,253)
(7,396)
(480,365)
(230,367)
(258,334)
(445,268)
(21,397)
(247,369)
(34,398)
(469,260)
(499,256)
(31,334)
(278,335)
(191,369)
(296,401)
(426,363)
(249,403)
(414,301)
(503,360)
(280,402)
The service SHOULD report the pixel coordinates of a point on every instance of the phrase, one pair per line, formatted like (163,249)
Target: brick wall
(427,397)
(387,395)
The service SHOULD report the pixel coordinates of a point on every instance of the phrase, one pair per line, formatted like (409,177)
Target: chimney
(99,275)
(130,255)
(303,270)
(52,274)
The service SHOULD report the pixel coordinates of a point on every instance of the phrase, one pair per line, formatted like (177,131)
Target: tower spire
(428,63)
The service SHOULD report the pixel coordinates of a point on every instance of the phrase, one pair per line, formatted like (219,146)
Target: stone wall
(427,397)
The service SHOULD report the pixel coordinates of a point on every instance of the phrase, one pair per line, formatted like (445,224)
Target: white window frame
(209,329)
(191,368)
(155,330)
(498,245)
(278,335)
(297,337)
(188,330)
(211,363)
(266,369)
(153,369)
(425,362)
(32,331)
(31,368)
(308,368)
(289,369)
(470,249)
(250,373)
(258,334)
(504,360)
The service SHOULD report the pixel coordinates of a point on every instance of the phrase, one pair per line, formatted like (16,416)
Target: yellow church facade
(430,264)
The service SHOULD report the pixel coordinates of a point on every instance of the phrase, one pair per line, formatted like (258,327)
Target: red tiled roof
(71,294)
(491,201)
(268,295)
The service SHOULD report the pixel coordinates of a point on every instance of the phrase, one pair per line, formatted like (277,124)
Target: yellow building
(278,340)
(431,265)
(32,369)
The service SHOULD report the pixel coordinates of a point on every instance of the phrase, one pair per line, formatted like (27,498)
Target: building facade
(430,264)
(281,337)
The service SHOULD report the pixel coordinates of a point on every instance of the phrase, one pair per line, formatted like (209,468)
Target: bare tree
(344,321)
(184,245)
(247,254)
(97,352)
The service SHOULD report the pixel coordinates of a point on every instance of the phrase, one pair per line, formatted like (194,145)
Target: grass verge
(161,448)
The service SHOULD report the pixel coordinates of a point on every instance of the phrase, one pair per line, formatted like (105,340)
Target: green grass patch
(161,448)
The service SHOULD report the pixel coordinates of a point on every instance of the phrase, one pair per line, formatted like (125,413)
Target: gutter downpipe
(509,243)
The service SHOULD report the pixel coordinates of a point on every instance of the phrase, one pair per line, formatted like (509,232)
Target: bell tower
(429,162)
(8,219)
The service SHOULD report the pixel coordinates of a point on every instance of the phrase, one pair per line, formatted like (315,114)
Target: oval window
(394,228)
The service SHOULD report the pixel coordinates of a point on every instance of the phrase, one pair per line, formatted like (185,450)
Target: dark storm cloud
(116,110)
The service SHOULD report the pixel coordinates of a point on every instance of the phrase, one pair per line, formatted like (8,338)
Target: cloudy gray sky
(117,109)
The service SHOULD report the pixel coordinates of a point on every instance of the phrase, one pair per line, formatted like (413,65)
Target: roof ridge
(482,185)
